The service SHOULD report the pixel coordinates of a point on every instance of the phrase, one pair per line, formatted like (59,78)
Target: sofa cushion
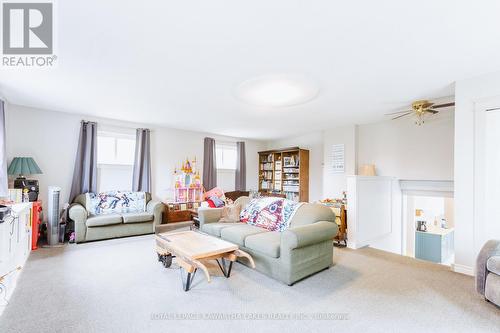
(214,229)
(273,214)
(115,202)
(493,264)
(103,220)
(231,213)
(267,243)
(137,217)
(310,213)
(237,234)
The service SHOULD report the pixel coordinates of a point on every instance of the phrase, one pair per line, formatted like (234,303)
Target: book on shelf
(290,188)
(285,171)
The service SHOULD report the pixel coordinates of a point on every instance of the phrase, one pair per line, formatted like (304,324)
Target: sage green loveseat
(305,248)
(90,228)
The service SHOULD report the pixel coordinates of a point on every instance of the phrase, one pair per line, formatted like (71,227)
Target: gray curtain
(209,164)
(85,173)
(241,168)
(4,181)
(141,180)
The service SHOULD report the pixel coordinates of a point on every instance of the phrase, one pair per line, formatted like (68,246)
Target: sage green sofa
(305,248)
(90,228)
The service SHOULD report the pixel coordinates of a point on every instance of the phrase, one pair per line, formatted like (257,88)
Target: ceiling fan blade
(432,111)
(390,114)
(445,105)
(402,115)
(427,105)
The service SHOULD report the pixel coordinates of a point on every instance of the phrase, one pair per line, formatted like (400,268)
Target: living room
(264,166)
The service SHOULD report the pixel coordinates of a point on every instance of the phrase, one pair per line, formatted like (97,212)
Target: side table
(194,218)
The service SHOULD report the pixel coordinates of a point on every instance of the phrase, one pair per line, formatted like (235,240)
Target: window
(117,149)
(115,161)
(225,154)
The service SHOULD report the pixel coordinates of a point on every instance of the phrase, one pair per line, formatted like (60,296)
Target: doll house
(187,183)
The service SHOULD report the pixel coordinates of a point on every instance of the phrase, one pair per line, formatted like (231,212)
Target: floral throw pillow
(270,213)
(115,202)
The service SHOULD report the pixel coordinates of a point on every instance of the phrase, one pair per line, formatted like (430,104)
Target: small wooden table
(190,247)
(195,218)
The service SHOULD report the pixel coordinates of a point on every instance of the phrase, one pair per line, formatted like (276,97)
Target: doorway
(430,228)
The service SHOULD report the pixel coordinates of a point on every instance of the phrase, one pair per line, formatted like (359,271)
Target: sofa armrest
(490,249)
(209,215)
(156,208)
(308,234)
(78,214)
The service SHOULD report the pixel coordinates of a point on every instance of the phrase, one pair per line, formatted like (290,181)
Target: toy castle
(187,183)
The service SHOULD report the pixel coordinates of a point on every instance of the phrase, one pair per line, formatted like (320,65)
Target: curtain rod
(99,123)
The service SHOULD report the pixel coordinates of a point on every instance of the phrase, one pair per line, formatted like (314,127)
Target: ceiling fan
(420,109)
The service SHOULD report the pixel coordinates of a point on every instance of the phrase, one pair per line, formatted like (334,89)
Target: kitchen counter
(437,231)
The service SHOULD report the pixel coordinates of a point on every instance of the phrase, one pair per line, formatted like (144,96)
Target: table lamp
(22,166)
(368,170)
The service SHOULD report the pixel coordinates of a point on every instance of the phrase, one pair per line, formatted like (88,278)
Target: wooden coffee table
(190,248)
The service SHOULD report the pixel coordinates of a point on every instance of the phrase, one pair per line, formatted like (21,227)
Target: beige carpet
(118,286)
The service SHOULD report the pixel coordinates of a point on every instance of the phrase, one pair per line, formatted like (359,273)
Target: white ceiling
(177,63)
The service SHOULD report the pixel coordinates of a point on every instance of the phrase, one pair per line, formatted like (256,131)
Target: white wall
(449,212)
(335,183)
(314,143)
(432,207)
(467,94)
(398,149)
(401,149)
(51,138)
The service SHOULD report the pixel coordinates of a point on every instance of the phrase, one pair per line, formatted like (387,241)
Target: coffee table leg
(189,279)
(226,272)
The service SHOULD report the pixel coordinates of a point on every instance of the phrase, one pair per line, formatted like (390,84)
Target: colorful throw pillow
(115,202)
(216,191)
(217,202)
(231,213)
(270,213)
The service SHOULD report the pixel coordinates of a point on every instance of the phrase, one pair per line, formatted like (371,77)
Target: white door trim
(480,108)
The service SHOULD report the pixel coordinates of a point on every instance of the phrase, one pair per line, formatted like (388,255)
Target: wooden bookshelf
(285,171)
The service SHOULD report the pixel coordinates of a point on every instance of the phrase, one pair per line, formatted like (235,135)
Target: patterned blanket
(273,214)
(115,202)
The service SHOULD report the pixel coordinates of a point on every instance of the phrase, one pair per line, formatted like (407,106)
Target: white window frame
(116,136)
(101,167)
(226,144)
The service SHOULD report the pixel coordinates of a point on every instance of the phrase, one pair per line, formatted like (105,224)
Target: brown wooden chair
(233,195)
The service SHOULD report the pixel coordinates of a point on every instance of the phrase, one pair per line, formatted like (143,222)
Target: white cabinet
(15,247)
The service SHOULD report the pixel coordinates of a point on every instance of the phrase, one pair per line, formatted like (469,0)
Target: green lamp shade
(23,166)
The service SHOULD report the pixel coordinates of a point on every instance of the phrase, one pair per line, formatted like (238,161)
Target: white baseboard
(467,270)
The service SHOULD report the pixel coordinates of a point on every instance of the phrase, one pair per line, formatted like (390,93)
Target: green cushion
(102,220)
(309,213)
(137,217)
(237,234)
(267,243)
(215,228)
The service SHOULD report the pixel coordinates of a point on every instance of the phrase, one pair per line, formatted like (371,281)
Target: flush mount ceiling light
(277,90)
